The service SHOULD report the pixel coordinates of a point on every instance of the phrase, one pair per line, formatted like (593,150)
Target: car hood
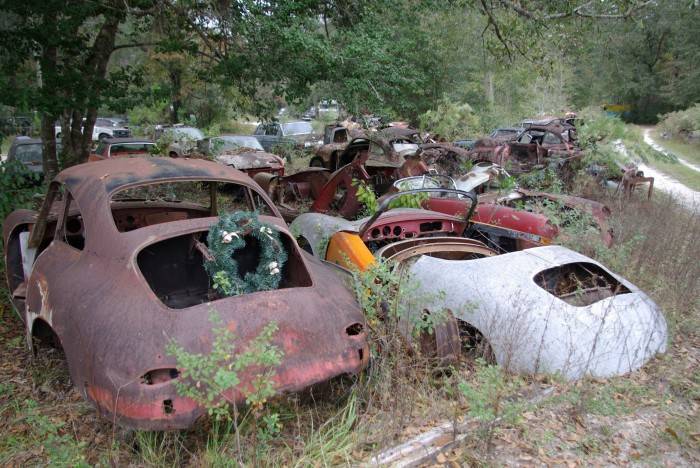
(249,159)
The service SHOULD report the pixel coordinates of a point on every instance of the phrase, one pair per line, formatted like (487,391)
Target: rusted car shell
(114,329)
(252,162)
(532,330)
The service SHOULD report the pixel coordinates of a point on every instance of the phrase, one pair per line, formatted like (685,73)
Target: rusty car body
(366,159)
(114,272)
(536,147)
(242,152)
(336,138)
(546,309)
(503,205)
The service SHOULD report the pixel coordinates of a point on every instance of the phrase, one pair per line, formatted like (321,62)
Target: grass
(678,171)
(688,151)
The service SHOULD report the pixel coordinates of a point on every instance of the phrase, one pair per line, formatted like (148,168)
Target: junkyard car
(242,152)
(122,148)
(182,140)
(26,152)
(506,133)
(535,148)
(299,134)
(369,160)
(335,138)
(516,206)
(546,309)
(112,268)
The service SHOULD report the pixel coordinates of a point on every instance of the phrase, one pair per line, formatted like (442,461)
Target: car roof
(392,132)
(26,141)
(104,177)
(127,140)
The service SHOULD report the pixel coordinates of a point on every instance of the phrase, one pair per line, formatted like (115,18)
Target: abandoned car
(182,140)
(122,148)
(335,138)
(500,204)
(299,134)
(242,152)
(536,147)
(546,309)
(111,268)
(365,159)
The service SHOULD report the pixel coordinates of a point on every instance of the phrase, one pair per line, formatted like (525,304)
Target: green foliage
(60,448)
(451,120)
(681,123)
(18,187)
(490,393)
(367,197)
(608,141)
(545,180)
(206,378)
(229,235)
(383,294)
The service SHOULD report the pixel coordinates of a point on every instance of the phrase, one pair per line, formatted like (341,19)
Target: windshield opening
(297,128)
(145,205)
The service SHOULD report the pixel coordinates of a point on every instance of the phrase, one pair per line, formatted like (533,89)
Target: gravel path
(650,141)
(686,196)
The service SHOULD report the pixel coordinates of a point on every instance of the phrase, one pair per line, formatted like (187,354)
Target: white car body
(104,128)
(531,330)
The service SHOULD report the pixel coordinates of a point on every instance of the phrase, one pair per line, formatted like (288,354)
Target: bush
(681,123)
(18,187)
(451,120)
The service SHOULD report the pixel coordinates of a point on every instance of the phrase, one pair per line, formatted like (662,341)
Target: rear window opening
(146,205)
(580,284)
(174,269)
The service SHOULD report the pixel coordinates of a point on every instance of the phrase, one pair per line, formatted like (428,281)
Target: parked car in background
(28,152)
(110,148)
(182,140)
(104,128)
(299,134)
(242,152)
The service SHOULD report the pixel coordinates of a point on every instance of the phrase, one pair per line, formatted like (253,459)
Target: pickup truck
(299,134)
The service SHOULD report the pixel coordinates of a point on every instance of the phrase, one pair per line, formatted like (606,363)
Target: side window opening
(70,228)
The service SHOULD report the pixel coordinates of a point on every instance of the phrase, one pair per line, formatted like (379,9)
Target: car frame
(249,157)
(77,278)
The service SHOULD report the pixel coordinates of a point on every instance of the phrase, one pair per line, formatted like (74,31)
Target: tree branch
(577,11)
(141,44)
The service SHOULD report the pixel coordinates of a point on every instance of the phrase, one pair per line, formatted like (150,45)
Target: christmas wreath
(229,235)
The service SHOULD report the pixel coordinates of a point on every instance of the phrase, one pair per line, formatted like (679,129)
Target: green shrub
(451,120)
(18,187)
(681,122)
(206,377)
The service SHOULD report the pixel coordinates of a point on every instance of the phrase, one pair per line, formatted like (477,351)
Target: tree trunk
(175,87)
(48,152)
(79,140)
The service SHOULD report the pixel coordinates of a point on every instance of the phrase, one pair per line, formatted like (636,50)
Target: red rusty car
(111,268)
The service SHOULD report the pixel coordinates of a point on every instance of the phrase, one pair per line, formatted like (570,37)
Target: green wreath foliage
(229,235)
